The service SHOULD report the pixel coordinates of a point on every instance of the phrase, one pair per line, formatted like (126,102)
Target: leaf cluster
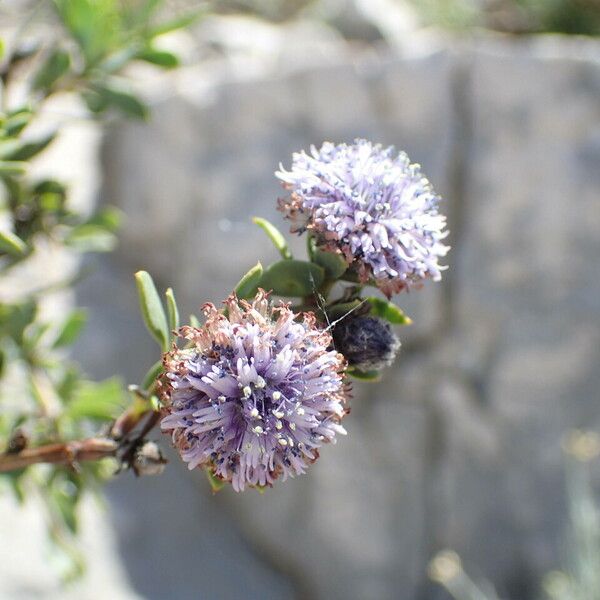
(44,396)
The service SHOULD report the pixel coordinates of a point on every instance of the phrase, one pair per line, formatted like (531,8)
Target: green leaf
(364,375)
(109,218)
(14,318)
(25,151)
(101,401)
(194,321)
(152,309)
(160,58)
(172,310)
(1,48)
(52,70)
(64,494)
(12,167)
(118,95)
(94,24)
(71,328)
(275,236)
(91,238)
(334,264)
(177,23)
(17,121)
(292,278)
(215,483)
(15,480)
(340,310)
(248,284)
(153,372)
(12,244)
(388,311)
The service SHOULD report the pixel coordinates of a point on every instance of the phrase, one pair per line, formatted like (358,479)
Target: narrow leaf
(91,238)
(26,151)
(364,375)
(274,235)
(248,284)
(153,372)
(388,311)
(160,58)
(12,244)
(172,310)
(215,483)
(71,329)
(174,24)
(120,97)
(152,309)
(17,121)
(12,167)
(52,70)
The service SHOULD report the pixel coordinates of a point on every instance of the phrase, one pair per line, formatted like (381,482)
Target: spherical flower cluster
(254,394)
(377,210)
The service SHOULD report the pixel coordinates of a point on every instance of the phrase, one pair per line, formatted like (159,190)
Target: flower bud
(148,460)
(368,343)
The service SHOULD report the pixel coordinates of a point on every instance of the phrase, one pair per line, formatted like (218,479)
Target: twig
(66,453)
(122,446)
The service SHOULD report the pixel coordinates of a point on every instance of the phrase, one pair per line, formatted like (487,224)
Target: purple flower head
(254,394)
(374,208)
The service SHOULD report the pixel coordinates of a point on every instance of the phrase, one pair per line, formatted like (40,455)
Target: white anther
(260,383)
(300,411)
(258,429)
(254,412)
(276,396)
(278,425)
(293,426)
(221,399)
(247,391)
(278,414)
(291,442)
(283,442)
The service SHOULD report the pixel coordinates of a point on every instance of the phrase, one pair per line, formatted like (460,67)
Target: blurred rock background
(459,445)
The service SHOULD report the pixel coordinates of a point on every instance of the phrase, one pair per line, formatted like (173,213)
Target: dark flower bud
(368,343)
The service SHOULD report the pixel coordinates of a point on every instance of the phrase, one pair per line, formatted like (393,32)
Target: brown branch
(119,444)
(66,453)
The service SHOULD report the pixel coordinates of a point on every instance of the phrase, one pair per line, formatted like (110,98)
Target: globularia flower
(374,208)
(255,393)
(367,343)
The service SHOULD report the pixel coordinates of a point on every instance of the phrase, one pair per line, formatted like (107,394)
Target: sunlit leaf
(248,284)
(216,484)
(150,377)
(160,58)
(91,238)
(101,401)
(364,375)
(12,167)
(25,150)
(12,244)
(71,328)
(292,278)
(388,311)
(153,311)
(172,310)
(274,235)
